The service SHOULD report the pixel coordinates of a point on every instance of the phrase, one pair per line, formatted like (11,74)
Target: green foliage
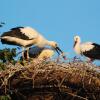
(5,97)
(7,55)
(2,66)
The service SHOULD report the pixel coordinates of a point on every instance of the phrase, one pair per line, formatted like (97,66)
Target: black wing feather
(16,32)
(16,28)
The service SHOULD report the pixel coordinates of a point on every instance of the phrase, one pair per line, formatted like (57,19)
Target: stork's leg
(23,49)
(90,60)
(28,53)
(25,53)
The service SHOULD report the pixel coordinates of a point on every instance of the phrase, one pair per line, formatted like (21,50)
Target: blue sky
(57,20)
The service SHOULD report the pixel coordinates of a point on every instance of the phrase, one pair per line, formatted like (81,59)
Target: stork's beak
(58,50)
(74,43)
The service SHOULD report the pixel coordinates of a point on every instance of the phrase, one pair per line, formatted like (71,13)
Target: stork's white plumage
(26,37)
(88,49)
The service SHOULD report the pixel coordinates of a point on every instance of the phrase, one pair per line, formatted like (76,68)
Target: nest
(49,80)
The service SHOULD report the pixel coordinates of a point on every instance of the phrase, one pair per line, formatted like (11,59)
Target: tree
(7,55)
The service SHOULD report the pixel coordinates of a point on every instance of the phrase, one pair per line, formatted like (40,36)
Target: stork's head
(53,44)
(76,40)
(58,50)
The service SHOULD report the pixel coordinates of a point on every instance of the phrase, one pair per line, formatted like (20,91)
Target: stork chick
(40,53)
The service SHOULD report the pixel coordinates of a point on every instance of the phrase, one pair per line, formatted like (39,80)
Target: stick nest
(75,80)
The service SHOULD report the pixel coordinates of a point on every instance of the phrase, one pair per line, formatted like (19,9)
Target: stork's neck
(43,43)
(77,47)
(48,43)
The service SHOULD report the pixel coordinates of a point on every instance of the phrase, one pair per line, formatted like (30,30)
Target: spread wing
(25,33)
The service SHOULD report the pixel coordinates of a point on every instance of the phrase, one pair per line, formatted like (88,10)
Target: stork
(26,37)
(88,49)
(40,53)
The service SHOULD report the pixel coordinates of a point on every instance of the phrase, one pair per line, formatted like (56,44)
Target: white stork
(88,49)
(26,37)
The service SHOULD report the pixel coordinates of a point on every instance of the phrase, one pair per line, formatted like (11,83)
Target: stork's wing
(86,46)
(29,32)
(92,50)
(25,33)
